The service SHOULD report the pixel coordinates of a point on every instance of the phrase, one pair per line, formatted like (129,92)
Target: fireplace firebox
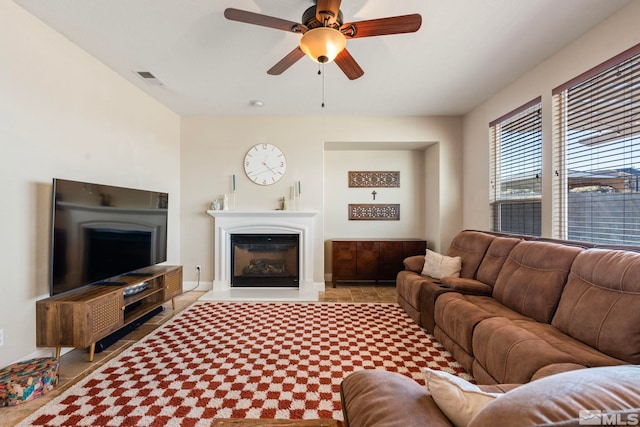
(264,260)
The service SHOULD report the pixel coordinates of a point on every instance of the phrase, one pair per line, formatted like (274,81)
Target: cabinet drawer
(391,256)
(367,259)
(105,316)
(172,284)
(344,259)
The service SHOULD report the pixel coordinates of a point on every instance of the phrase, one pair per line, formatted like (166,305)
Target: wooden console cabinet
(372,259)
(81,317)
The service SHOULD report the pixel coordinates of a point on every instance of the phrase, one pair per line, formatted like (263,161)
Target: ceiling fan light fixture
(323,44)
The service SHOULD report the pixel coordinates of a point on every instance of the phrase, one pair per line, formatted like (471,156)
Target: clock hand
(261,172)
(270,168)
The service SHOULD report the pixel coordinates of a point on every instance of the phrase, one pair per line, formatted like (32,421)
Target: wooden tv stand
(81,317)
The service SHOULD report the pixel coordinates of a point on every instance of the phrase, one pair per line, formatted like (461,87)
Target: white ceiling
(465,51)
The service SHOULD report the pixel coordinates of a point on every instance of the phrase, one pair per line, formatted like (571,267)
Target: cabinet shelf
(84,316)
(131,299)
(134,312)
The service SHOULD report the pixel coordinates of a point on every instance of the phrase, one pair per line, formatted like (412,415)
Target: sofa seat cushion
(457,315)
(461,355)
(581,353)
(556,368)
(511,354)
(559,400)
(379,398)
(533,276)
(599,305)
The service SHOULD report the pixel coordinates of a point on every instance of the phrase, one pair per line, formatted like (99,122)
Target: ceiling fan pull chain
(319,72)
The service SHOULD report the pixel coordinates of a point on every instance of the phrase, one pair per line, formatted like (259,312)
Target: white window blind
(516,170)
(597,153)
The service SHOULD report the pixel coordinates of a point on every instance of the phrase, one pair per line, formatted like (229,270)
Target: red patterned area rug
(247,360)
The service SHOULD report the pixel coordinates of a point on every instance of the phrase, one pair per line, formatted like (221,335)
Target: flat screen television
(100,232)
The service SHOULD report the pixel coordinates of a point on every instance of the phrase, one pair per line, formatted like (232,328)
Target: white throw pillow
(458,399)
(439,266)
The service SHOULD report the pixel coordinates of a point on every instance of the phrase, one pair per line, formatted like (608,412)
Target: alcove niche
(411,159)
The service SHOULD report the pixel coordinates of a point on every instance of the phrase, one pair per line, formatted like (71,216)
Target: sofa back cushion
(470,246)
(600,304)
(494,259)
(531,279)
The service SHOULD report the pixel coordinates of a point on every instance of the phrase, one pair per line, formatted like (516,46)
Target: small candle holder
(233,191)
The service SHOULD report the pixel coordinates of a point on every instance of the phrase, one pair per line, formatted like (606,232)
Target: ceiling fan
(324,34)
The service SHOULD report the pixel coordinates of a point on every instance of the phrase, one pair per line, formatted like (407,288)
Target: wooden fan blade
(261,20)
(348,65)
(382,26)
(327,11)
(286,62)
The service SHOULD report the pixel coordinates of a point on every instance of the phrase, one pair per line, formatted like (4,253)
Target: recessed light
(256,103)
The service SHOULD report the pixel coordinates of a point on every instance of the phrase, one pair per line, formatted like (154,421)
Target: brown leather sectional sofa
(522,310)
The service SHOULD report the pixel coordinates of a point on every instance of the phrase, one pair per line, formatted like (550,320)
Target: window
(516,170)
(597,154)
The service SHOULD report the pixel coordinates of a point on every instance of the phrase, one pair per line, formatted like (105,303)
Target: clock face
(265,164)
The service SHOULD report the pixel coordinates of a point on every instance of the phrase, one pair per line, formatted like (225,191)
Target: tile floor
(75,364)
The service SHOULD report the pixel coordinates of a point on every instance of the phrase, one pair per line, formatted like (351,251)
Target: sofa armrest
(467,286)
(414,263)
(387,399)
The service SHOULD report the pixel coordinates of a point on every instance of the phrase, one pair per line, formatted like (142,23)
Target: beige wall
(338,195)
(613,36)
(213,149)
(64,114)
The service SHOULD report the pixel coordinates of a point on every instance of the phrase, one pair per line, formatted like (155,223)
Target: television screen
(99,232)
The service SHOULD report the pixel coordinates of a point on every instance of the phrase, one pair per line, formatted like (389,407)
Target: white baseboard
(193,286)
(43,352)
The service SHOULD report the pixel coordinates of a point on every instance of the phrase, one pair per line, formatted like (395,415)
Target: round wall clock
(265,164)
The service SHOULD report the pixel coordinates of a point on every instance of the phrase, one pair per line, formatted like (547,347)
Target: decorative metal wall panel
(374,179)
(381,212)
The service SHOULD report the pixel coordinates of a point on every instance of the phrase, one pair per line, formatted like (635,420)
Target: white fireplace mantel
(228,222)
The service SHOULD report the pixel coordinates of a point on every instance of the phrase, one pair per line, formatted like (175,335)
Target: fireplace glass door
(264,260)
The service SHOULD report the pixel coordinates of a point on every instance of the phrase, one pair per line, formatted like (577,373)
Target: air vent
(149,78)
